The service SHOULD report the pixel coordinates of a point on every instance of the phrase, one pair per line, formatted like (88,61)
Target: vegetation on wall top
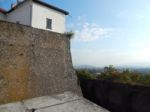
(69,34)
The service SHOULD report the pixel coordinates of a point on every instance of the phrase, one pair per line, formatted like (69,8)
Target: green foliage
(145,80)
(85,74)
(110,73)
(129,77)
(126,76)
(69,34)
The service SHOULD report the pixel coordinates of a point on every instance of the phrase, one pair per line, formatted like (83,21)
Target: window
(18,22)
(49,23)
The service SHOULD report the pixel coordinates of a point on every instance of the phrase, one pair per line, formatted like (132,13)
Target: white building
(2,14)
(36,14)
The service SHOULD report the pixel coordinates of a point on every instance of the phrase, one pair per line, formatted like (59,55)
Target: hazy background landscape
(98,70)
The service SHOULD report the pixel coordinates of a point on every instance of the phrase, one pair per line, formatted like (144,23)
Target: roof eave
(42,3)
(51,6)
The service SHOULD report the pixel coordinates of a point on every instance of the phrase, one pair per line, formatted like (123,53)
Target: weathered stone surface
(66,102)
(34,63)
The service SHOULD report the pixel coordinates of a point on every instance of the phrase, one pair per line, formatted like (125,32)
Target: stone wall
(116,97)
(33,63)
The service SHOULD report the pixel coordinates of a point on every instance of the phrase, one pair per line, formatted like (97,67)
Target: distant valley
(96,70)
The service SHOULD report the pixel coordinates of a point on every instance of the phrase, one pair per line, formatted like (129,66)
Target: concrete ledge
(66,102)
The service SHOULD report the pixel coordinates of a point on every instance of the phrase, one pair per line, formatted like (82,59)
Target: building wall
(22,14)
(39,15)
(34,63)
(35,15)
(2,16)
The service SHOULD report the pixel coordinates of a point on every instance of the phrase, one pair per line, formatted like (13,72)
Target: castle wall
(33,63)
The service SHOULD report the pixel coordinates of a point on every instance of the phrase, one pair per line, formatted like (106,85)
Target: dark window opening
(49,23)
(18,22)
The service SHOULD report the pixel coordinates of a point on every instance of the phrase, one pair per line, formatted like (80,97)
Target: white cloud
(90,32)
(85,31)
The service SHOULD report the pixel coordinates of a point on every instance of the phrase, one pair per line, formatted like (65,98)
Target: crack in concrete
(35,109)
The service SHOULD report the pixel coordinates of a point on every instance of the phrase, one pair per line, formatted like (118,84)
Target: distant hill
(85,66)
(95,70)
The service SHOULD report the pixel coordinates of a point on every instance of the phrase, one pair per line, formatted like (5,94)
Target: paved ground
(66,102)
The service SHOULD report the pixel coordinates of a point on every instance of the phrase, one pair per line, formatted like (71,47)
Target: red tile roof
(2,10)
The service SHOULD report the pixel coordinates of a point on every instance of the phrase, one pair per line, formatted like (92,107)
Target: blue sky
(108,32)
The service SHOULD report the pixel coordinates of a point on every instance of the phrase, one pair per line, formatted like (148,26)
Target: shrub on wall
(70,34)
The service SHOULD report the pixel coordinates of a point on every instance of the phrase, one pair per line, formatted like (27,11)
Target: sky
(107,32)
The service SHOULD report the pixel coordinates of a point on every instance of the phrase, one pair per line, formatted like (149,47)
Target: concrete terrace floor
(66,102)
